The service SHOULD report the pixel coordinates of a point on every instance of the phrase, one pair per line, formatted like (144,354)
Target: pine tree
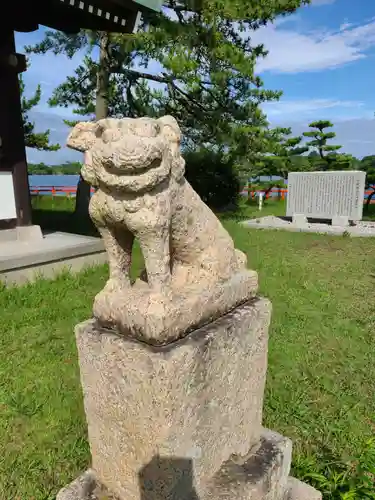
(330,159)
(35,140)
(206,72)
(286,150)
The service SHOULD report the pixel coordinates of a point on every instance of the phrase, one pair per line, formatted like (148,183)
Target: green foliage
(68,168)
(329,158)
(207,78)
(286,150)
(367,164)
(320,375)
(35,140)
(339,480)
(266,186)
(212,175)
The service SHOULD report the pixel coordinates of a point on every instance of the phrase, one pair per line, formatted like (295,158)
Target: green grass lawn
(321,378)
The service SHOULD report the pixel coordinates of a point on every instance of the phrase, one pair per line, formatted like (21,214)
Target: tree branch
(134,75)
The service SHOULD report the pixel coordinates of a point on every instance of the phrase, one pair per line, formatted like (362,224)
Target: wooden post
(13,155)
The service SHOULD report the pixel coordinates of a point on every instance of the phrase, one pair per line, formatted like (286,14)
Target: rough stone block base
(199,399)
(182,421)
(261,475)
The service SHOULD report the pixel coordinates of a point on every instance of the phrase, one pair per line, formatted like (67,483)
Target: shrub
(213,176)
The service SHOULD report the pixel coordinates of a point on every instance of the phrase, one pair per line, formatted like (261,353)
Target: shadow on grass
(64,221)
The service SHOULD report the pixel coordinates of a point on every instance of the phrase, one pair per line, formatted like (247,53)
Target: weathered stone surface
(160,318)
(142,193)
(301,491)
(21,234)
(324,195)
(359,230)
(81,488)
(340,220)
(261,475)
(198,399)
(300,220)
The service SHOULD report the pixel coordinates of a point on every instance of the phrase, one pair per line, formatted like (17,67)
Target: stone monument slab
(326,195)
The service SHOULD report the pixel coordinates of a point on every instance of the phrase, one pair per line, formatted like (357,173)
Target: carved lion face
(128,154)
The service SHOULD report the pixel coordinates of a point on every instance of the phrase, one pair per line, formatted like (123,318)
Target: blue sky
(322,57)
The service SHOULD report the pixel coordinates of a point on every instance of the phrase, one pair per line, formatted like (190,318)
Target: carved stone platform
(183,421)
(160,318)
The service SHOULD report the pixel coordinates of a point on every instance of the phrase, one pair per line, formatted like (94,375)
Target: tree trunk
(368,199)
(268,190)
(82,198)
(101,111)
(101,106)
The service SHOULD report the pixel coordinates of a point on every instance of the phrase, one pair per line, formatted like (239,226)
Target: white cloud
(59,133)
(48,70)
(322,2)
(307,107)
(291,51)
(355,135)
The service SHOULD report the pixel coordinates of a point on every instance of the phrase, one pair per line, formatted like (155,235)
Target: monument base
(183,421)
(199,399)
(262,475)
(29,234)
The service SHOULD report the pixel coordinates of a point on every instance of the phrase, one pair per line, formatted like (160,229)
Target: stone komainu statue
(138,169)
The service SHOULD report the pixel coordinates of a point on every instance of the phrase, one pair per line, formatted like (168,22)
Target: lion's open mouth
(129,172)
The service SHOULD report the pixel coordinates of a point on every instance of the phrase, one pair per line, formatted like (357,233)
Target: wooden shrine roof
(72,15)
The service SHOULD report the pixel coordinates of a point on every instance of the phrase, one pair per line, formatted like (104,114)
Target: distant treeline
(299,163)
(68,168)
(313,162)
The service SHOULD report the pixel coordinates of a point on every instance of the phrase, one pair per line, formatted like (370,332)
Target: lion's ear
(169,128)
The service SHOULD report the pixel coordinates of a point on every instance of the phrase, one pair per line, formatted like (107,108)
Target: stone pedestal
(340,220)
(299,220)
(183,421)
(28,234)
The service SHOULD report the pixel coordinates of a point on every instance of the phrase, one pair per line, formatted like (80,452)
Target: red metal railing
(71,191)
(282,192)
(55,190)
